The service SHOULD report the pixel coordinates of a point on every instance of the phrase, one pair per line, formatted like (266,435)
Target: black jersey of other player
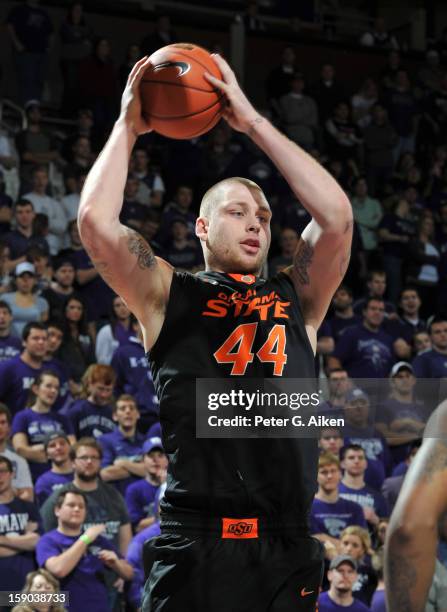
(230,325)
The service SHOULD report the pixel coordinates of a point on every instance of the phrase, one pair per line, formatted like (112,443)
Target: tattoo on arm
(302,260)
(402,575)
(139,247)
(435,462)
(253,124)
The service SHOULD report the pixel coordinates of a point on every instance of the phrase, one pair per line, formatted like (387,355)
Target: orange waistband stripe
(239,529)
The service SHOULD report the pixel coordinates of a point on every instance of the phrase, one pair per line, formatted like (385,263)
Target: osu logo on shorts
(239,529)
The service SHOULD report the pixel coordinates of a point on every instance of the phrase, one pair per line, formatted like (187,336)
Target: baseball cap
(23,267)
(152,444)
(355,394)
(54,435)
(337,561)
(30,103)
(401,365)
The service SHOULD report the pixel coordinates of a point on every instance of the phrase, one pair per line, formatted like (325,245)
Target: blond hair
(326,459)
(213,196)
(362,534)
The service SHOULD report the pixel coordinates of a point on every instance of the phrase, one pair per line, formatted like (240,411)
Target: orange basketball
(176,96)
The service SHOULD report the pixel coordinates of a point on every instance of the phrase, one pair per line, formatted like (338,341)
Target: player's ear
(202,224)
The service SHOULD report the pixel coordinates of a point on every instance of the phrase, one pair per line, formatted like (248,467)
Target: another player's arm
(323,252)
(122,257)
(410,549)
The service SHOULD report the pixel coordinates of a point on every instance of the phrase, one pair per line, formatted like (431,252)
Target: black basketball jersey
(231,325)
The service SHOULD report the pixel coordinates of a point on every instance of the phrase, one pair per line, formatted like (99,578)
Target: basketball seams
(175,117)
(178,85)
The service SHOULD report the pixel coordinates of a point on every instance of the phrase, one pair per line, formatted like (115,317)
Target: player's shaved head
(217,192)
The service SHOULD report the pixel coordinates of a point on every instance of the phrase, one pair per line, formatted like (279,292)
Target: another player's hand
(239,113)
(131,100)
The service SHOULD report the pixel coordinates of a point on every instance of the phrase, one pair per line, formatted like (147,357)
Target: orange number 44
(237,349)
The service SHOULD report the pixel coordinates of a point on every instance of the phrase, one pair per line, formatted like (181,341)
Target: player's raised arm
(122,257)
(322,255)
(412,536)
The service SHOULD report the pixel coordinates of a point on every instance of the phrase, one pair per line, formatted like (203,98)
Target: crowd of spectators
(79,430)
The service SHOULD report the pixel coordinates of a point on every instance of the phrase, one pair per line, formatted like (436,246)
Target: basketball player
(226,322)
(412,535)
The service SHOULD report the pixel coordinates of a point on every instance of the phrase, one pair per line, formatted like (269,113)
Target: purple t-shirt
(332,518)
(89,419)
(154,431)
(365,354)
(36,426)
(96,294)
(325,604)
(135,558)
(339,325)
(10,346)
(115,446)
(59,368)
(86,582)
(48,482)
(16,378)
(365,497)
(140,500)
(374,445)
(14,518)
(133,375)
(378,603)
(430,364)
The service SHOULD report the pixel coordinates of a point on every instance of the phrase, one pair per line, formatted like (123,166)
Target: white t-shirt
(429,272)
(56,219)
(22,475)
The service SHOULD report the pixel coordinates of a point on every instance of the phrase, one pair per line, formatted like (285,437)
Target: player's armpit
(319,265)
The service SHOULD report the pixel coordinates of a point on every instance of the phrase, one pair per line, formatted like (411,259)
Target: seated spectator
(356,542)
(330,514)
(179,208)
(85,126)
(409,323)
(31,425)
(61,288)
(299,114)
(423,261)
(9,180)
(114,334)
(354,488)
(330,441)
(396,230)
(403,108)
(278,81)
(57,450)
(133,54)
(432,363)
(159,37)
(327,92)
(122,459)
(288,243)
(389,73)
(93,416)
(421,342)
(53,363)
(401,418)
(367,214)
(81,157)
(20,239)
(42,265)
(21,481)
(10,344)
(364,350)
(78,345)
(135,558)
(182,253)
(18,373)
(342,135)
(48,206)
(104,503)
(6,202)
(358,430)
(380,140)
(66,553)
(344,315)
(5,267)
(40,581)
(151,188)
(70,201)
(378,36)
(132,212)
(26,306)
(391,486)
(342,576)
(338,386)
(19,521)
(141,495)
(363,102)
(134,377)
